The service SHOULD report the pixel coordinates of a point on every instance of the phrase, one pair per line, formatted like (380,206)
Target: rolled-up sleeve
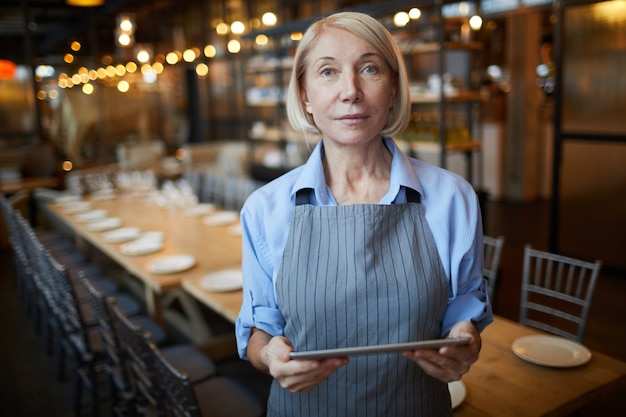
(259,308)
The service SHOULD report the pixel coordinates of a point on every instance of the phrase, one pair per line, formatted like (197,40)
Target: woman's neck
(358,175)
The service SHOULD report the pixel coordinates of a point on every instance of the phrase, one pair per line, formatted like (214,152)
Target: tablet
(394,347)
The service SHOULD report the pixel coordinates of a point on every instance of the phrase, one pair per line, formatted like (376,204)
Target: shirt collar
(312,175)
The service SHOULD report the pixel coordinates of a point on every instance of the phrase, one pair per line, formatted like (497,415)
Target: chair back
(492,250)
(135,343)
(557,292)
(177,390)
(111,344)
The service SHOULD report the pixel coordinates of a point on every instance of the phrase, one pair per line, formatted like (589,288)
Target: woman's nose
(350,88)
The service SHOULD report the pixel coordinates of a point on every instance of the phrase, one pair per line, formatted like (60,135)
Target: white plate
(553,351)
(235,230)
(123,234)
(65,199)
(91,216)
(105,224)
(171,264)
(76,206)
(221,218)
(222,281)
(457,393)
(103,195)
(199,210)
(141,247)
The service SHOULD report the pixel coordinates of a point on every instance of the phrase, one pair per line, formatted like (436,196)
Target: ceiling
(41,31)
(53,25)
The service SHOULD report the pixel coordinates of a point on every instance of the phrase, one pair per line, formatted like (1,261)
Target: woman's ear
(305,101)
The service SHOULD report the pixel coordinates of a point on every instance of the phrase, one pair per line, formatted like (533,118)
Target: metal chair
(217,396)
(119,374)
(492,250)
(134,339)
(557,292)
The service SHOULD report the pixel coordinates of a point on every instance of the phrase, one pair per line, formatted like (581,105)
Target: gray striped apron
(359,275)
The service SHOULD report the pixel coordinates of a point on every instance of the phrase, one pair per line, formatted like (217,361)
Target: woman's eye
(327,72)
(370,69)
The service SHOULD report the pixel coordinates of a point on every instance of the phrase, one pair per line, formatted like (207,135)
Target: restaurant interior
(124,118)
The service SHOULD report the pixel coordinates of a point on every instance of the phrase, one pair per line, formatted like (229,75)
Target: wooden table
(501,384)
(27,183)
(213,247)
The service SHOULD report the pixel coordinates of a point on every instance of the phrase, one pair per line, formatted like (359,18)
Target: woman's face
(348,88)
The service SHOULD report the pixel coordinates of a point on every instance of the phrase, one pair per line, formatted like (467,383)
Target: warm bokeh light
(120,70)
(107,60)
(110,69)
(415,13)
(269,19)
(68,58)
(189,55)
(67,166)
(261,40)
(75,46)
(53,94)
(180,154)
(202,70)
(255,23)
(237,27)
(158,68)
(124,39)
(210,51)
(126,24)
(62,83)
(131,67)
(401,19)
(102,73)
(41,95)
(146,69)
(88,88)
(123,86)
(171,58)
(222,28)
(76,79)
(93,75)
(475,22)
(234,46)
(143,56)
(296,36)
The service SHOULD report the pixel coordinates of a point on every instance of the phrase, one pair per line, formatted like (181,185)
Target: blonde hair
(373,32)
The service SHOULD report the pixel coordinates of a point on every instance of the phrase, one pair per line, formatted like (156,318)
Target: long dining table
(213,247)
(499,384)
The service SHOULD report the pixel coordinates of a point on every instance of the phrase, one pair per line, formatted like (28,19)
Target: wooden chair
(557,292)
(492,250)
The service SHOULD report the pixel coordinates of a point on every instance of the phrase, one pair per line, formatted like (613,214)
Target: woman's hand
(293,375)
(449,363)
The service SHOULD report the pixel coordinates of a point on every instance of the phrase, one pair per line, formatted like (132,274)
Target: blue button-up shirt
(452,213)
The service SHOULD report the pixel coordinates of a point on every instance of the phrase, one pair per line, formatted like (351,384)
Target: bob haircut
(373,32)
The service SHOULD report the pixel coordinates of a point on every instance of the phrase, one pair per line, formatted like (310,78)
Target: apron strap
(412,196)
(303,196)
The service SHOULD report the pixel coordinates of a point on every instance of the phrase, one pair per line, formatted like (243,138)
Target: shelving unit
(435,47)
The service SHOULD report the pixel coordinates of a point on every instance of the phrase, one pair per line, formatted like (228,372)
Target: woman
(359,246)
